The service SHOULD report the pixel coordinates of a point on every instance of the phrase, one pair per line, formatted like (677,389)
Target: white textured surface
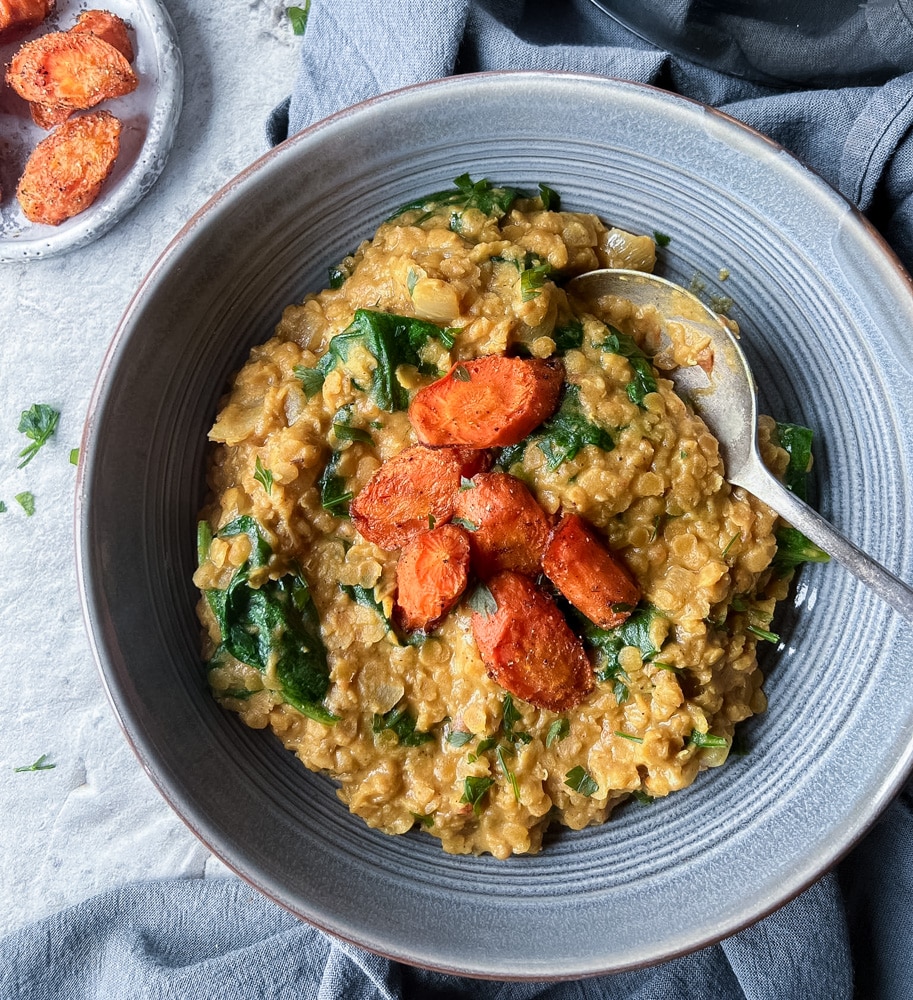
(95,820)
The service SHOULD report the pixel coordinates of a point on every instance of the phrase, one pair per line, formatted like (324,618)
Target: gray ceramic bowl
(826,313)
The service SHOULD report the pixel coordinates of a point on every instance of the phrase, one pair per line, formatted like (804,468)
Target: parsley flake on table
(298,16)
(26,501)
(37,423)
(39,765)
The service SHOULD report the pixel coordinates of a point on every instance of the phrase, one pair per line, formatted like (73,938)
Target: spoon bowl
(724,393)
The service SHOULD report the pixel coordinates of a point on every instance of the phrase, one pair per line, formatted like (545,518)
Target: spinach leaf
(276,625)
(568,430)
(793,549)
(568,337)
(551,200)
(465,193)
(797,441)
(402,724)
(644,380)
(608,643)
(334,495)
(533,275)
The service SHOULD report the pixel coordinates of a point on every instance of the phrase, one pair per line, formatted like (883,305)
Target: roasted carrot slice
(65,172)
(488,402)
(21,14)
(528,647)
(508,529)
(70,69)
(412,492)
(590,577)
(431,576)
(108,27)
(48,116)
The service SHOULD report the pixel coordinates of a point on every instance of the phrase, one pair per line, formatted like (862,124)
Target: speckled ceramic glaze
(149,117)
(826,314)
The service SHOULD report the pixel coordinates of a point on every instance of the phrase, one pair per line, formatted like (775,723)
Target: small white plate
(148,115)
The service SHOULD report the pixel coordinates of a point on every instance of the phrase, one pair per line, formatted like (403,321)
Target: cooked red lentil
(299,612)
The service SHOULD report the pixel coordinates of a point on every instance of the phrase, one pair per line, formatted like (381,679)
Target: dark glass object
(817,43)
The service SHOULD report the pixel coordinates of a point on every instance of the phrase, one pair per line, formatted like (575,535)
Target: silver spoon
(727,402)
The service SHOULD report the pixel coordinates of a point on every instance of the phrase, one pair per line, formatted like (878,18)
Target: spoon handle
(802,517)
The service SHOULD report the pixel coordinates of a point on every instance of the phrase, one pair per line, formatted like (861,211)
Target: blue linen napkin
(849,934)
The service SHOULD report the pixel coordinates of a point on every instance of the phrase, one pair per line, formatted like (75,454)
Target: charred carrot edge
(509,530)
(65,172)
(488,402)
(431,575)
(70,69)
(528,647)
(108,27)
(580,565)
(410,493)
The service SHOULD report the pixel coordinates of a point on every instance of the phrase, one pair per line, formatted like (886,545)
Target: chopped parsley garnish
(763,633)
(402,724)
(643,797)
(506,771)
(557,731)
(263,476)
(299,17)
(568,430)
(311,379)
(2,506)
(411,280)
(661,239)
(533,276)
(26,501)
(40,765)
(629,736)
(475,788)
(273,626)
(700,739)
(580,780)
(459,737)
(74,456)
(37,423)
(424,819)
(204,541)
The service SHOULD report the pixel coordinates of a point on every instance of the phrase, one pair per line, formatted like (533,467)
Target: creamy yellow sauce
(698,548)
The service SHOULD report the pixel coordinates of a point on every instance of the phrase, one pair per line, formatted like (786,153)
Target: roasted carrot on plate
(431,575)
(488,402)
(410,493)
(527,646)
(16,15)
(581,566)
(68,69)
(508,529)
(65,172)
